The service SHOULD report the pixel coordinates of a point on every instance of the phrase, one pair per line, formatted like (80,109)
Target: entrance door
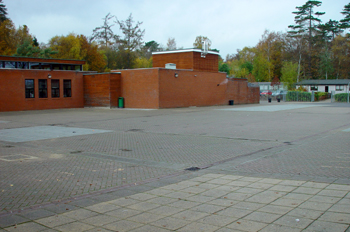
(326,89)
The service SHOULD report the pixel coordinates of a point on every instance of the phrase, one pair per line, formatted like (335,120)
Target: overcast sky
(229,24)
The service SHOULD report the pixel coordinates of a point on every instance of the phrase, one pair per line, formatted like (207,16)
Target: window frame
(55,91)
(31,90)
(339,88)
(314,87)
(67,91)
(42,89)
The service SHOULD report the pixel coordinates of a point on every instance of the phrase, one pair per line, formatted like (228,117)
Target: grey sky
(229,24)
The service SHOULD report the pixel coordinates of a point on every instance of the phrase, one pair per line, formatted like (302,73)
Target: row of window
(337,87)
(43,93)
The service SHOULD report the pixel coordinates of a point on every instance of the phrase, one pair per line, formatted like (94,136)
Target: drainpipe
(348,91)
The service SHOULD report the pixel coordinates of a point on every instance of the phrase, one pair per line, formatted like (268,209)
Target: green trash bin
(121,102)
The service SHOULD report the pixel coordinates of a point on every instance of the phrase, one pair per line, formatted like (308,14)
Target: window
(42,88)
(314,87)
(55,88)
(29,88)
(67,88)
(339,87)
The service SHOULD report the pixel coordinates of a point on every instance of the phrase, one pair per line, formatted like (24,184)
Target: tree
(306,20)
(132,40)
(149,47)
(171,44)
(104,34)
(198,43)
(3,12)
(7,43)
(289,74)
(345,23)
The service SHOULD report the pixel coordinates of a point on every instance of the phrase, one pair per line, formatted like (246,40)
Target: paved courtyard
(267,167)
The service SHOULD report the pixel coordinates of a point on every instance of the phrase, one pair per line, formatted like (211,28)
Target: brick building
(180,78)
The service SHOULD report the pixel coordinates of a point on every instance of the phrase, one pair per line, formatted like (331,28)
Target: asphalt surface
(53,162)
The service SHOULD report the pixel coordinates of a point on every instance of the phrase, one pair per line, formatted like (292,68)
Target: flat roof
(184,50)
(324,82)
(41,60)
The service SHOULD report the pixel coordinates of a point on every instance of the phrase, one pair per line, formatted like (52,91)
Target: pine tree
(345,23)
(306,20)
(3,12)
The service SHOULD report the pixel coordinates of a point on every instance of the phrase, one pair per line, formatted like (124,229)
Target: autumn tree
(198,43)
(171,44)
(289,74)
(7,43)
(104,34)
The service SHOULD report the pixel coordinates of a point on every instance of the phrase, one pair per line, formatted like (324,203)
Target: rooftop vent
(170,66)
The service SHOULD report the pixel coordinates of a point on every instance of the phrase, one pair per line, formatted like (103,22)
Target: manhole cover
(16,157)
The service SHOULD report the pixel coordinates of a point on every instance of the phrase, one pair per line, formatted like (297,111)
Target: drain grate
(192,169)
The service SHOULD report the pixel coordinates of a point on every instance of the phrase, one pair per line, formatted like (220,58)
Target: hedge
(341,97)
(298,96)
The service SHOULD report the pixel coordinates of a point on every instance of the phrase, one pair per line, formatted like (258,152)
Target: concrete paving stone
(11,219)
(318,185)
(213,175)
(60,208)
(306,190)
(275,209)
(315,205)
(159,192)
(259,185)
(250,179)
(219,181)
(299,196)
(184,204)
(289,202)
(175,187)
(223,202)
(326,226)
(123,225)
(201,179)
(332,193)
(200,198)
(36,214)
(292,182)
(98,229)
(208,208)
(102,207)
(190,215)
(143,206)
(340,208)
(262,217)
(165,210)
(246,225)
(149,228)
(195,226)
(227,188)
(100,220)
(162,200)
(283,188)
(336,217)
(214,193)
(325,199)
(142,196)
(27,227)
(123,213)
(217,220)
(292,221)
(146,217)
(74,227)
(238,196)
(234,212)
(249,190)
(248,205)
(170,223)
(231,177)
(225,229)
(338,187)
(345,201)
(179,195)
(84,202)
(124,201)
(188,183)
(193,190)
(305,213)
(270,181)
(239,183)
(279,228)
(266,197)
(54,221)
(207,186)
(80,214)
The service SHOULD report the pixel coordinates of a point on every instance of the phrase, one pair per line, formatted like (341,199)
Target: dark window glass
(42,88)
(29,88)
(55,88)
(67,88)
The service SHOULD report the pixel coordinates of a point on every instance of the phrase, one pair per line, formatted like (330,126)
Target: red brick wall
(238,90)
(12,87)
(140,88)
(188,60)
(190,88)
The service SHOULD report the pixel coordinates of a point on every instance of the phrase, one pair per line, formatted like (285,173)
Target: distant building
(327,86)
